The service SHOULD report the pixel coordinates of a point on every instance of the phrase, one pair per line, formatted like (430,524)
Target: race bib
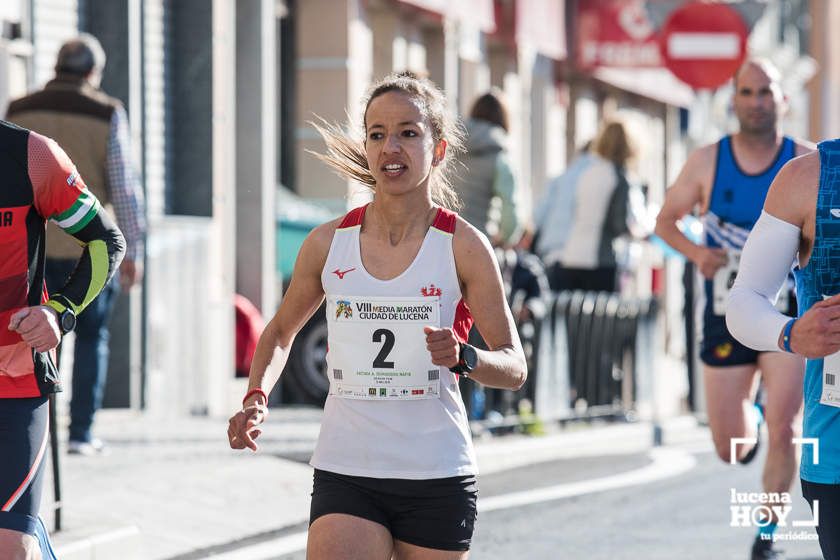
(830,388)
(725,278)
(723,281)
(377,348)
(831,371)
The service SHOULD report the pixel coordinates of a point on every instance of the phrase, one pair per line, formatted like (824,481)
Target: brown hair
(491,107)
(613,143)
(346,148)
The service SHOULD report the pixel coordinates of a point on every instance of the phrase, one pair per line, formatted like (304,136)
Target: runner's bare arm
(793,193)
(687,192)
(300,302)
(502,366)
(303,297)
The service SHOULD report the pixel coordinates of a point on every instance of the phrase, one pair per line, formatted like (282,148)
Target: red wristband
(255,391)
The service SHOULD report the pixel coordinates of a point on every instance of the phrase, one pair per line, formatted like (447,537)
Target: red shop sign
(615,33)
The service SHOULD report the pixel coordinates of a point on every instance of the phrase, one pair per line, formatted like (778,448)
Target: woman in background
(587,260)
(487,185)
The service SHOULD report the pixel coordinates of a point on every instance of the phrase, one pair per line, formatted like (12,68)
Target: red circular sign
(703,44)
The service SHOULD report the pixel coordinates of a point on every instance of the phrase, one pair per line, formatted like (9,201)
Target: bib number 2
(364,359)
(389,339)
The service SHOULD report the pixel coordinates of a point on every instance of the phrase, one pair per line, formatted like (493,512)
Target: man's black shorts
(718,348)
(23,443)
(438,513)
(829,519)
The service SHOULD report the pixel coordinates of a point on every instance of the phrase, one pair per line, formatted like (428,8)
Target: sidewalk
(171,487)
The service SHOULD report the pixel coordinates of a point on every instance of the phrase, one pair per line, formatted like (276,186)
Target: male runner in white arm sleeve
(800,224)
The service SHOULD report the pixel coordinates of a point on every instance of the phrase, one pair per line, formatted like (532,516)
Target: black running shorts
(828,496)
(438,513)
(23,447)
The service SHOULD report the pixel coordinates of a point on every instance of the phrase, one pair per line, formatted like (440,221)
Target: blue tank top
(738,197)
(821,276)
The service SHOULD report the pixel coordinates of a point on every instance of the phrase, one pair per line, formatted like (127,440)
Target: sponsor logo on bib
(343,307)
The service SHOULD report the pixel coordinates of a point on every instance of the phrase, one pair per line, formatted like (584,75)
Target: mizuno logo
(341,274)
(835,212)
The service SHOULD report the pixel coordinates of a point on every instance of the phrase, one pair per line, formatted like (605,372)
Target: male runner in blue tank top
(799,225)
(728,182)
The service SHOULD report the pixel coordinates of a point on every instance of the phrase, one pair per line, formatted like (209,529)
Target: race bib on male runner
(377,348)
(831,371)
(724,279)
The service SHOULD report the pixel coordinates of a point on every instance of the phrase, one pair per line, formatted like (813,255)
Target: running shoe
(763,550)
(87,448)
(43,536)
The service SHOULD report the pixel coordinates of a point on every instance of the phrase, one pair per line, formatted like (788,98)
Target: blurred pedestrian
(403,278)
(555,211)
(597,182)
(93,129)
(40,183)
(487,185)
(727,182)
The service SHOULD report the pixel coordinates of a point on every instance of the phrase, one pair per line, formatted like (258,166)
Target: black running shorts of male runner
(719,349)
(23,446)
(829,515)
(437,513)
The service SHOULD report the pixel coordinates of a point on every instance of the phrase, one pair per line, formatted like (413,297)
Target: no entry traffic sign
(704,43)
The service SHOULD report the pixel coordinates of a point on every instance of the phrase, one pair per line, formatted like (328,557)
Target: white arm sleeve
(766,260)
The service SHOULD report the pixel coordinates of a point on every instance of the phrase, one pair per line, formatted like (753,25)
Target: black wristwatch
(66,316)
(67,321)
(467,360)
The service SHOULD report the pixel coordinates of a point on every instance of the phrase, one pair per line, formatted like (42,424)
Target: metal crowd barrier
(584,359)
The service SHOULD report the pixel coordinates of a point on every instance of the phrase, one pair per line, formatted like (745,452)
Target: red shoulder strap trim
(353,218)
(445,220)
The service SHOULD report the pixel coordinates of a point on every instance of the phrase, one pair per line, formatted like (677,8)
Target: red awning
(654,83)
(542,24)
(479,12)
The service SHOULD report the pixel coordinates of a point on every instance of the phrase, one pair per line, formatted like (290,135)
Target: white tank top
(410,439)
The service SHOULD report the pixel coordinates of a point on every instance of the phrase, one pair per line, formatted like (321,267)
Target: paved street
(685,516)
(170,490)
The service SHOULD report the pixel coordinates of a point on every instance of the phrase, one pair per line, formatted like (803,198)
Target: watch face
(470,357)
(68,321)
